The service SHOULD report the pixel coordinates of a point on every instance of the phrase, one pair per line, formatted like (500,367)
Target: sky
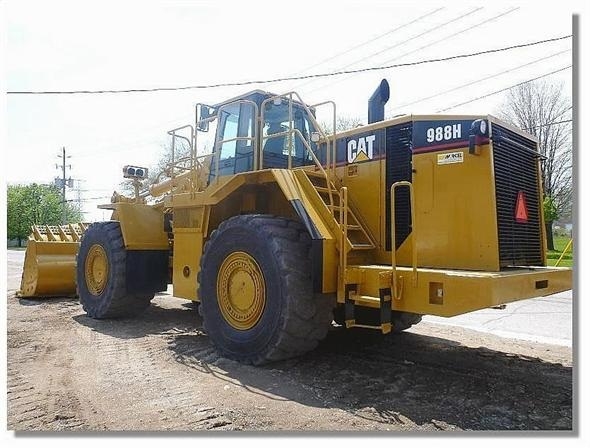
(105,44)
(122,45)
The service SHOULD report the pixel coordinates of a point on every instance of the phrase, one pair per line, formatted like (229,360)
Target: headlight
(134,172)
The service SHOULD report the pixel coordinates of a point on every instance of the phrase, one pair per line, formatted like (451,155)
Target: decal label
(361,149)
(440,135)
(443,133)
(450,157)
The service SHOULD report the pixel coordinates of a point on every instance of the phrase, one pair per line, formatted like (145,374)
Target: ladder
(353,242)
(354,236)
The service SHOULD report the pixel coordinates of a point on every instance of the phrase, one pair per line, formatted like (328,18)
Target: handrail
(160,187)
(191,144)
(394,289)
(330,155)
(329,172)
(300,102)
(344,235)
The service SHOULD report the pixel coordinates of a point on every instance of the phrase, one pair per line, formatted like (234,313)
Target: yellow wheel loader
(284,228)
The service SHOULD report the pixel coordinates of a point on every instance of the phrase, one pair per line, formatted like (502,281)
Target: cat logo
(361,150)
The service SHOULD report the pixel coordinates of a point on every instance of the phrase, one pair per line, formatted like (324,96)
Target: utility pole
(63,184)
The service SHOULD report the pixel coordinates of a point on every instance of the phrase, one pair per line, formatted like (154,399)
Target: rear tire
(256,293)
(101,274)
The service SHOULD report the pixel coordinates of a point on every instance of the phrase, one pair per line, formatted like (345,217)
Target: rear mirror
(204,113)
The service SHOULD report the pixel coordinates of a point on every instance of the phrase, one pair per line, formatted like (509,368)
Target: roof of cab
(245,95)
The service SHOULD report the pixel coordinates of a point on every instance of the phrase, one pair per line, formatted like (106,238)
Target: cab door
(234,147)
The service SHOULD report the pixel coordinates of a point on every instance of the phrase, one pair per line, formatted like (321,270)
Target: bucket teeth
(67,232)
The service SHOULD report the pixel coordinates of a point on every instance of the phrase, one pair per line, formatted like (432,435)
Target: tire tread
(307,317)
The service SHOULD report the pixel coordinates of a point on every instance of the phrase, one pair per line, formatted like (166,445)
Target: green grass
(553,255)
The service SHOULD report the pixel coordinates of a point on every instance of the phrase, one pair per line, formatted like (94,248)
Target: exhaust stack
(377,102)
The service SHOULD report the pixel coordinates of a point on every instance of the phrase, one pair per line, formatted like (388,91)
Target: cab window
(236,153)
(277,140)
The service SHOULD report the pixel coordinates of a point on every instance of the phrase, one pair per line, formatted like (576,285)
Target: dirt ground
(159,372)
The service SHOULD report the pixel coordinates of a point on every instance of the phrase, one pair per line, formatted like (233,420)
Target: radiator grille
(398,167)
(515,170)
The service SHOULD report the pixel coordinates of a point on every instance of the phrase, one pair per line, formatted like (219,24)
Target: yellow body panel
(446,292)
(142,227)
(233,195)
(188,247)
(445,238)
(455,212)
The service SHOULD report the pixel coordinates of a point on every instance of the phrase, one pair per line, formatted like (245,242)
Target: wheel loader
(285,227)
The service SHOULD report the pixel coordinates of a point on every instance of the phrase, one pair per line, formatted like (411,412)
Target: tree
(550,212)
(35,204)
(540,108)
(342,124)
(181,152)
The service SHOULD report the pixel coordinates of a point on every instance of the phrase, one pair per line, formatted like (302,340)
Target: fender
(142,226)
(146,241)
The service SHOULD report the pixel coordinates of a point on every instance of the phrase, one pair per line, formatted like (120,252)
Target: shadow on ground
(412,380)
(405,379)
(157,319)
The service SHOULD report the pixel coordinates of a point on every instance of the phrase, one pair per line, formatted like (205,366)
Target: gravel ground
(160,372)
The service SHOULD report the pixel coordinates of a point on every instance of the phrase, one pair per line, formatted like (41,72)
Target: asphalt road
(545,319)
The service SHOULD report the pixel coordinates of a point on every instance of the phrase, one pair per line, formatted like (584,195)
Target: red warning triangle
(522,214)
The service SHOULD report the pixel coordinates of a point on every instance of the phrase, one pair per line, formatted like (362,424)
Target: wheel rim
(240,291)
(96,269)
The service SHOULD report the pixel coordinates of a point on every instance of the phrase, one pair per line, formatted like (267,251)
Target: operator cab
(257,131)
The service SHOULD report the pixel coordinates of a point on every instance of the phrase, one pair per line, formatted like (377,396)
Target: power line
(504,89)
(480,80)
(438,41)
(291,78)
(362,44)
(464,30)
(430,30)
(553,122)
(548,124)
(88,199)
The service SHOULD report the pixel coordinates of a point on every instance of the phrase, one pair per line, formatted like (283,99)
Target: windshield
(275,132)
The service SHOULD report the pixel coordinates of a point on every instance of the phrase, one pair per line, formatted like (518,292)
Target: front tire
(101,274)
(256,294)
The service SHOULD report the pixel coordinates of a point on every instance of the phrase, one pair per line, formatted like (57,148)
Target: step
(325,190)
(364,246)
(385,328)
(314,174)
